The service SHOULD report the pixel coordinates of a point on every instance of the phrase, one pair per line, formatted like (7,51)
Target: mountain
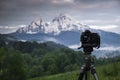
(65,30)
(61,23)
(62,29)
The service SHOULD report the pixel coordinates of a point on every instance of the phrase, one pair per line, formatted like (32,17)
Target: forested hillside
(36,59)
(23,60)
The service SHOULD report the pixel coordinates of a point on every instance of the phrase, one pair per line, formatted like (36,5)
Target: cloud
(75,46)
(110,48)
(20,11)
(62,1)
(106,27)
(90,12)
(110,28)
(51,39)
(101,21)
(106,48)
(9,29)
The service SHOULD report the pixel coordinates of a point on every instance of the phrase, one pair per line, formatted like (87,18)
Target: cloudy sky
(98,14)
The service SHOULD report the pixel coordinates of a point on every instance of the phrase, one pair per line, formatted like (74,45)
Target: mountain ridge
(65,30)
(61,23)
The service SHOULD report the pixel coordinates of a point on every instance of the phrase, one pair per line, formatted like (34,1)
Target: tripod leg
(82,72)
(87,75)
(93,70)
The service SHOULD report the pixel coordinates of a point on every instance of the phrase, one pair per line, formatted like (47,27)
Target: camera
(89,40)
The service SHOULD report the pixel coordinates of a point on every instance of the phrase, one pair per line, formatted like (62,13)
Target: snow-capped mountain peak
(63,22)
(67,23)
(63,17)
(37,22)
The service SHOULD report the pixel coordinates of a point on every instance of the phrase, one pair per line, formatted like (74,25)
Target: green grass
(63,76)
(106,72)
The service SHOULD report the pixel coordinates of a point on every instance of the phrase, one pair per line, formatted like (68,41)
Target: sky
(98,14)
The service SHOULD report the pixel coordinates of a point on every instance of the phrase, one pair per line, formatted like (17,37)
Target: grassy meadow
(106,72)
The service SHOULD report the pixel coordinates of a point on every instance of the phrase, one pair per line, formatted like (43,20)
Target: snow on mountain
(65,22)
(61,23)
(35,27)
(66,30)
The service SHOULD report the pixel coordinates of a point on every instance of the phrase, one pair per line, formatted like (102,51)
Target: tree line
(21,60)
(32,59)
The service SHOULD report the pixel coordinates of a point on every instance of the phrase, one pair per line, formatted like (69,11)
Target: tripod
(87,68)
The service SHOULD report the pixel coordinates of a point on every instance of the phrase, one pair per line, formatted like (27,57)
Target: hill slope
(106,72)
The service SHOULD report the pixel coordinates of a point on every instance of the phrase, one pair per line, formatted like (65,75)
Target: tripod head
(87,48)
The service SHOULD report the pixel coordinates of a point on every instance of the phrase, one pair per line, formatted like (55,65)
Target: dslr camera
(89,41)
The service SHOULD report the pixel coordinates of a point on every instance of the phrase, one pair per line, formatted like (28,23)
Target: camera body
(89,40)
